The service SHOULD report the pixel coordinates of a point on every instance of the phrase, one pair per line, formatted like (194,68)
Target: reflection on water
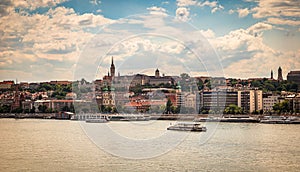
(51,145)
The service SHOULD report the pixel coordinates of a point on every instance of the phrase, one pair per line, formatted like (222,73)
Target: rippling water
(52,145)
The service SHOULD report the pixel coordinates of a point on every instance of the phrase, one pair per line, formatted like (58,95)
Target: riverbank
(28,115)
(278,119)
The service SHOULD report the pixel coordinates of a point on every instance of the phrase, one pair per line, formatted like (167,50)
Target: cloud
(231,11)
(259,27)
(280,21)
(212,4)
(244,54)
(184,3)
(32,5)
(276,8)
(208,3)
(243,12)
(95,2)
(182,14)
(157,10)
(215,9)
(209,34)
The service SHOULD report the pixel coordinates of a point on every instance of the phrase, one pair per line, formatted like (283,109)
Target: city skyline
(45,40)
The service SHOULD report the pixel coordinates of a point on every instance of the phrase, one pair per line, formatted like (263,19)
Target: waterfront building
(27,105)
(108,98)
(217,100)
(269,102)
(190,100)
(250,100)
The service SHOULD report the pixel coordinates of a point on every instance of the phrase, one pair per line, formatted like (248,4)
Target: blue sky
(69,39)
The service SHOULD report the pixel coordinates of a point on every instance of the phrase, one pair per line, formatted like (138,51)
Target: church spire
(271,74)
(279,78)
(112,67)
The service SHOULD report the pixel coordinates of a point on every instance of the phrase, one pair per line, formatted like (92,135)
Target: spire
(279,78)
(271,74)
(112,67)
(157,73)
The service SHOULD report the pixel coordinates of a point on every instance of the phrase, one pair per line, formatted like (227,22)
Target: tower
(272,74)
(157,73)
(112,68)
(279,78)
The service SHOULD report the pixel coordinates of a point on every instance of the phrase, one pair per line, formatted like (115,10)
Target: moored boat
(184,126)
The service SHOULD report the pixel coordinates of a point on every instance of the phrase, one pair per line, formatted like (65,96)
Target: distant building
(71,96)
(6,84)
(60,82)
(294,76)
(280,78)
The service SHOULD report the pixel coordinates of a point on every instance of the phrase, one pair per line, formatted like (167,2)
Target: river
(54,145)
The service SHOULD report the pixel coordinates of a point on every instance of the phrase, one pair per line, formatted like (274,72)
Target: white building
(269,102)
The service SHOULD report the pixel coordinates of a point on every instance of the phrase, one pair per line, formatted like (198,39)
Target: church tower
(157,73)
(279,78)
(112,68)
(272,74)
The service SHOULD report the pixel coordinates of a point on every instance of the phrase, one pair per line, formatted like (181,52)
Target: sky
(42,40)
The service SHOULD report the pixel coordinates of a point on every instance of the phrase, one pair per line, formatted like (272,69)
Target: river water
(53,145)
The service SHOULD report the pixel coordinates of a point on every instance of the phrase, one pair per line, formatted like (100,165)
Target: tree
(32,110)
(42,108)
(233,109)
(281,107)
(40,97)
(168,107)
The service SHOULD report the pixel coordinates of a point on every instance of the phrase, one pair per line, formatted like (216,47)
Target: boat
(280,120)
(184,126)
(96,119)
(129,117)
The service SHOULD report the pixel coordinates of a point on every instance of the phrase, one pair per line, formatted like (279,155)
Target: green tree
(42,108)
(282,107)
(168,107)
(233,109)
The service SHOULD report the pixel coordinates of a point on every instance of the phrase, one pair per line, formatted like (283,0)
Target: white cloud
(243,12)
(276,8)
(244,54)
(215,9)
(157,10)
(95,2)
(34,4)
(231,11)
(208,3)
(280,21)
(182,14)
(209,34)
(184,3)
(259,27)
